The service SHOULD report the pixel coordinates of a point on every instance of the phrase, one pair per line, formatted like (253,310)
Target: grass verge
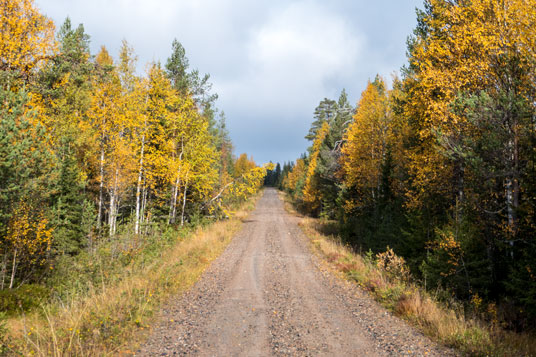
(112,317)
(387,279)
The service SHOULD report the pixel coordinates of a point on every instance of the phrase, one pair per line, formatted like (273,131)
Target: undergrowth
(386,277)
(103,301)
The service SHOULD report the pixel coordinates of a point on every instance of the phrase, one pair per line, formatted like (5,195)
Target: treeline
(442,166)
(89,149)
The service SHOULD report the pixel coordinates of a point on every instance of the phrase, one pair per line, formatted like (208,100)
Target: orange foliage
(28,237)
(468,48)
(367,139)
(293,178)
(311,194)
(26,36)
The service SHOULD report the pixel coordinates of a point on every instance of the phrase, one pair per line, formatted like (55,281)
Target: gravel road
(268,295)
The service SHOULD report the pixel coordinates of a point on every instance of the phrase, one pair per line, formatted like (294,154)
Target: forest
(97,160)
(109,177)
(438,163)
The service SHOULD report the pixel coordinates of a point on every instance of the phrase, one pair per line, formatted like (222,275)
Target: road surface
(268,295)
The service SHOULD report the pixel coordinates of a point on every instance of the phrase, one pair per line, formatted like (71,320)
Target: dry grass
(110,319)
(411,302)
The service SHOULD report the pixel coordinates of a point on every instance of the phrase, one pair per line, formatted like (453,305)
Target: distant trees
(440,167)
(315,179)
(273,177)
(89,148)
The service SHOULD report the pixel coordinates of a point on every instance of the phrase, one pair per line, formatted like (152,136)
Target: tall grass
(387,280)
(110,314)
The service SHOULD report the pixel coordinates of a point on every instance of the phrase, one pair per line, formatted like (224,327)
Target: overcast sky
(271,62)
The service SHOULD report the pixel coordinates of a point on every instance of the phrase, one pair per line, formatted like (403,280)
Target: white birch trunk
(143,204)
(113,205)
(138,188)
(184,202)
(101,188)
(173,207)
(13,269)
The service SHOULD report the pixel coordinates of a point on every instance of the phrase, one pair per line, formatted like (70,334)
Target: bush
(394,266)
(24,298)
(3,331)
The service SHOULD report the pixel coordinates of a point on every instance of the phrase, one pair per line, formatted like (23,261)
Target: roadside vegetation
(472,329)
(109,182)
(438,165)
(104,302)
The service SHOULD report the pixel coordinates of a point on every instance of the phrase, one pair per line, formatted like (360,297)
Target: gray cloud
(271,62)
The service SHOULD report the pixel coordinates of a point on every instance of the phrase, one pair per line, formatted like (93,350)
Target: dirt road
(268,295)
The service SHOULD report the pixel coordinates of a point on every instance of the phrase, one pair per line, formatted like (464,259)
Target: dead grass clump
(345,267)
(333,257)
(411,304)
(373,285)
(437,321)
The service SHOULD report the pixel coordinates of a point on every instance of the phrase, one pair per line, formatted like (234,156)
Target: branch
(338,145)
(218,195)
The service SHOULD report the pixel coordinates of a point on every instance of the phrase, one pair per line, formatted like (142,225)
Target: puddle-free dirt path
(267,295)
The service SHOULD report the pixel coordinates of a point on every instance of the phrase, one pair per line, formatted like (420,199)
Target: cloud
(291,60)
(271,61)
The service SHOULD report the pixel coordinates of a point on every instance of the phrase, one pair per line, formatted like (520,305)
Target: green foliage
(69,210)
(27,173)
(186,82)
(324,179)
(273,177)
(4,344)
(26,167)
(457,259)
(325,111)
(23,299)
(105,263)
(177,67)
(95,160)
(442,167)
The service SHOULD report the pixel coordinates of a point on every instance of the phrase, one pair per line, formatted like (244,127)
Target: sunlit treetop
(26,36)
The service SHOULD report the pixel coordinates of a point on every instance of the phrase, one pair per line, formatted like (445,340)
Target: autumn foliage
(89,148)
(26,37)
(440,167)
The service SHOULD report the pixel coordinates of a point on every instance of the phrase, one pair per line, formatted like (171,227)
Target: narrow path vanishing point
(268,295)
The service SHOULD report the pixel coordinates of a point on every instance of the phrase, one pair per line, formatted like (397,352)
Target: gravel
(268,295)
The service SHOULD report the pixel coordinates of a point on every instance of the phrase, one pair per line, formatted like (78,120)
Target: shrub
(24,298)
(394,266)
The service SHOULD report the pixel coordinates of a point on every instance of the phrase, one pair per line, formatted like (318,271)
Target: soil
(267,294)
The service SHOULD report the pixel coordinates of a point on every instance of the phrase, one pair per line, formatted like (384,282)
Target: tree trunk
(510,202)
(110,212)
(512,181)
(512,187)
(515,182)
(147,219)
(184,202)
(459,178)
(173,207)
(143,203)
(113,204)
(101,188)
(13,269)
(138,188)
(116,214)
(4,267)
